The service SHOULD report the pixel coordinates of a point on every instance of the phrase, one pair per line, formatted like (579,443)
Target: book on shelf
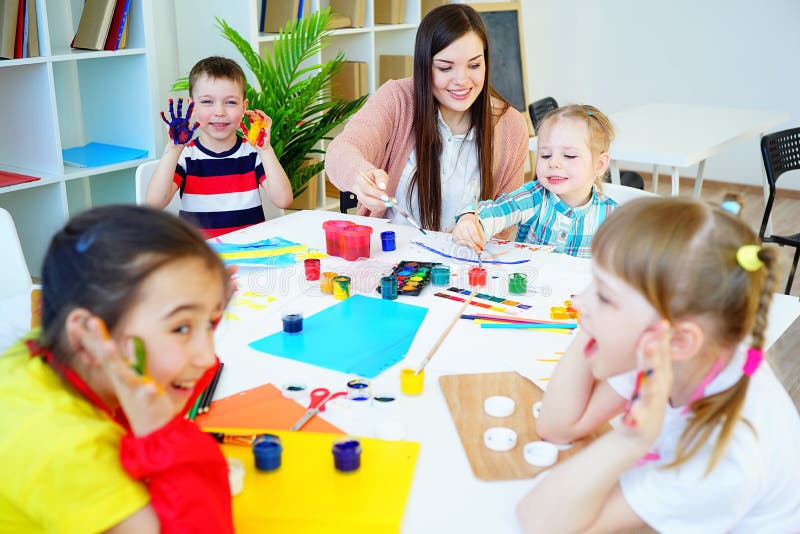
(95,22)
(33,30)
(13,178)
(355,10)
(278,13)
(392,67)
(117,27)
(123,40)
(8,27)
(350,82)
(19,34)
(390,11)
(99,154)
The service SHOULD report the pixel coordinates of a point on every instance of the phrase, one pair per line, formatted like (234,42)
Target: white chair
(143,174)
(622,193)
(16,279)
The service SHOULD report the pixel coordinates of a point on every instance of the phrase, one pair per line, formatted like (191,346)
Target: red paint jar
(477,277)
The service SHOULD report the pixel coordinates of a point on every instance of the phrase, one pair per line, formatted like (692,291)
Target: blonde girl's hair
(601,131)
(681,256)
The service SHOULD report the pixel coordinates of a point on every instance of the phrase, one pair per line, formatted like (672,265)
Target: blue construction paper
(360,335)
(99,154)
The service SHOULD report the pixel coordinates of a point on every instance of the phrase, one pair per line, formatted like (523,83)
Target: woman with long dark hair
(437,139)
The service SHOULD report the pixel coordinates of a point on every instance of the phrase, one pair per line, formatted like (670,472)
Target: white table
(445,496)
(678,135)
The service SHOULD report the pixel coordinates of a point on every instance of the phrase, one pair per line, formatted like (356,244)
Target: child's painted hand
(179,130)
(468,232)
(645,413)
(143,400)
(258,133)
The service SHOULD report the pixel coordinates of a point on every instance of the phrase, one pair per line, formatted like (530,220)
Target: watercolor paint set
(412,276)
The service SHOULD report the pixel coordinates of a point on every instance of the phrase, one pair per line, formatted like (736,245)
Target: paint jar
(440,275)
(387,241)
(292,322)
(494,285)
(347,455)
(312,268)
(357,384)
(332,235)
(341,287)
(354,242)
(326,284)
(477,277)
(267,449)
(389,287)
(411,382)
(518,283)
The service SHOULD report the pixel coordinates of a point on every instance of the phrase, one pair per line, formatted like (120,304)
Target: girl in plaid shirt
(565,205)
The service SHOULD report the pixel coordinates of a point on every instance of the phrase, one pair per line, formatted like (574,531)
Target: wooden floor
(784,356)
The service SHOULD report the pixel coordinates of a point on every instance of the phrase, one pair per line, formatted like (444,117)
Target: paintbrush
(444,333)
(476,194)
(393,203)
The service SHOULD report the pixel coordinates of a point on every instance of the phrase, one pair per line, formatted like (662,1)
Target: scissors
(319,397)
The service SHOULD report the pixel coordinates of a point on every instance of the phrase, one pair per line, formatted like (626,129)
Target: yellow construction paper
(260,253)
(307,494)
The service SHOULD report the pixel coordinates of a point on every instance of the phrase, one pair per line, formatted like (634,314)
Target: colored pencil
(520,320)
(212,387)
(565,326)
(193,412)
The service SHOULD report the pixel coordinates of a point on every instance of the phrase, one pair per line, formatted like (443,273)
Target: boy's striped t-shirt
(220,191)
(545,219)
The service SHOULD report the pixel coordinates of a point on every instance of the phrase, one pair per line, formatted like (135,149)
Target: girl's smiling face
(565,164)
(613,315)
(175,312)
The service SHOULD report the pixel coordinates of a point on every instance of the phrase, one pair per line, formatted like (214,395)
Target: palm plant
(294,93)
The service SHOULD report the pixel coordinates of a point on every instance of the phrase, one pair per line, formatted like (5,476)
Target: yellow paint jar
(411,382)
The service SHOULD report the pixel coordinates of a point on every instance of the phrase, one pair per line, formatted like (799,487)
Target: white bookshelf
(67,98)
(199,37)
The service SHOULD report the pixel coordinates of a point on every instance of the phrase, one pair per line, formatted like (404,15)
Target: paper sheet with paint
(306,494)
(360,335)
(271,252)
(496,251)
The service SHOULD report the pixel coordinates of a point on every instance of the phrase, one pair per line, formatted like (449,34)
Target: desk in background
(678,135)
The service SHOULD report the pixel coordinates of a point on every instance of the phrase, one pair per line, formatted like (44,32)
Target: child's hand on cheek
(144,401)
(645,413)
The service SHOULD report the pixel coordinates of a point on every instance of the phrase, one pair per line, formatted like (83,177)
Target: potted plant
(295,93)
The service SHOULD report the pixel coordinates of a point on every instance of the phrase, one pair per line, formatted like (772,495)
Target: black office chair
(540,108)
(781,153)
(347,200)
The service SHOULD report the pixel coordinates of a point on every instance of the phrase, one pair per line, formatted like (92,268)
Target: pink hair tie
(754,357)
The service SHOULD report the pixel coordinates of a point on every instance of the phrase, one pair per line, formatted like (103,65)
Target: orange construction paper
(260,407)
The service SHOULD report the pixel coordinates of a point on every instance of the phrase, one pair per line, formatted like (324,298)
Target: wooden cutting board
(465,395)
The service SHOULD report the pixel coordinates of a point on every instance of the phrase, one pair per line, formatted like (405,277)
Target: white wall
(617,54)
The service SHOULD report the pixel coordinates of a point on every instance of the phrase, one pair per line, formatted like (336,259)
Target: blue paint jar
(267,449)
(347,455)
(389,287)
(292,323)
(387,241)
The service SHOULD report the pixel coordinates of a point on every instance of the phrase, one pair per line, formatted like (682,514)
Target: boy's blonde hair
(217,67)
(601,131)
(681,256)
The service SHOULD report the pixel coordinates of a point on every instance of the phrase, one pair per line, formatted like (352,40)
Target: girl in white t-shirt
(672,334)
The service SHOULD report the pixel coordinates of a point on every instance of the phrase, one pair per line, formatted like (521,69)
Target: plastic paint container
(518,283)
(326,284)
(292,323)
(389,287)
(388,241)
(235,476)
(440,275)
(341,287)
(347,455)
(312,268)
(267,449)
(411,382)
(332,235)
(354,242)
(477,277)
